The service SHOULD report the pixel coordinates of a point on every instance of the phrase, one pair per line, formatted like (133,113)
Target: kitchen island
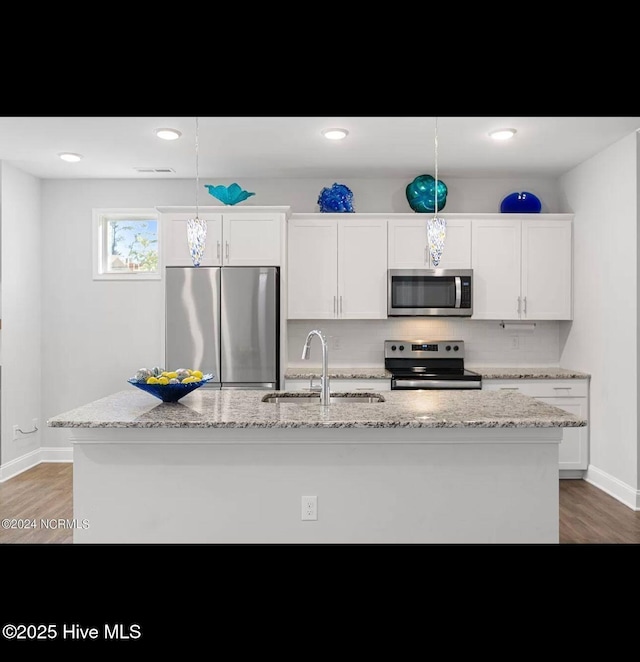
(226,467)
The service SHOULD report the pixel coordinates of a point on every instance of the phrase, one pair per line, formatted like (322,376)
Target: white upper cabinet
(362,269)
(408,244)
(546,270)
(238,239)
(252,239)
(496,268)
(312,269)
(522,268)
(407,247)
(457,245)
(337,268)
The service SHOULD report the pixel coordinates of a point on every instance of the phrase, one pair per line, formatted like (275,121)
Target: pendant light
(436,227)
(196,227)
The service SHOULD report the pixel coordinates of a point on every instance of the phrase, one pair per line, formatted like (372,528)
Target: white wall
(98,333)
(360,342)
(603,338)
(21,301)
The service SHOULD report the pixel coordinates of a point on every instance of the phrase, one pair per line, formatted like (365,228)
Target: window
(126,244)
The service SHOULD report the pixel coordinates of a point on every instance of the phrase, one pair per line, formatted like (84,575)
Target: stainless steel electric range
(428,364)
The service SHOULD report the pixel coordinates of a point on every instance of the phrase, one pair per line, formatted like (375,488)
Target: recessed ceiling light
(70,157)
(335,134)
(168,134)
(502,134)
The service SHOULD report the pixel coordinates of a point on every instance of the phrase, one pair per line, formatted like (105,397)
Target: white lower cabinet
(341,385)
(572,395)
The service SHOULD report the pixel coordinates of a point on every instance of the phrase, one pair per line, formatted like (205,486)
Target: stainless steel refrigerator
(224,321)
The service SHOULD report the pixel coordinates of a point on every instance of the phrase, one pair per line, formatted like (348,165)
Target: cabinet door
(252,239)
(495,259)
(407,240)
(574,448)
(457,246)
(176,247)
(362,269)
(312,273)
(546,270)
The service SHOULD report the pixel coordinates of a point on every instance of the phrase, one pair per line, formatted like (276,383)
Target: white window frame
(99,239)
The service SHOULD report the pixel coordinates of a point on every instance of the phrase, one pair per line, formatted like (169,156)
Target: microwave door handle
(458,291)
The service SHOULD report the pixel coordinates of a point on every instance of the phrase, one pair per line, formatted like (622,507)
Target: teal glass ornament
(228,195)
(421,194)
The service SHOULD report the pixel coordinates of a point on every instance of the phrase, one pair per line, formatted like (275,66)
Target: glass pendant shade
(436,234)
(196,237)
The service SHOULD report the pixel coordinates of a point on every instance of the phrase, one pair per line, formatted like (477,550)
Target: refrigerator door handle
(218,252)
(227,248)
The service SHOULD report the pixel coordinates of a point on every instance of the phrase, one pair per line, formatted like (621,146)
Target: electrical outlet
(309,508)
(15,432)
(335,342)
(515,342)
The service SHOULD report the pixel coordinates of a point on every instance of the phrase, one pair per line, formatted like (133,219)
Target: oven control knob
(455,348)
(393,348)
(448,348)
(401,348)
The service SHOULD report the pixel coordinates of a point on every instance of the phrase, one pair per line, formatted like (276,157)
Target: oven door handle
(458,291)
(434,383)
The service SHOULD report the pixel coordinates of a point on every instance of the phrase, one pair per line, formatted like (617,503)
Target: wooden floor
(43,495)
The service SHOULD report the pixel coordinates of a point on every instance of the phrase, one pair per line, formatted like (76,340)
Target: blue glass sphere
(521,203)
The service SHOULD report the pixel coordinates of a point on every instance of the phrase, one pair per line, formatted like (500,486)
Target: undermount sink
(305,398)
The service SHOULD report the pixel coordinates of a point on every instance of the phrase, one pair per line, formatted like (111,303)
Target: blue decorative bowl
(338,198)
(521,203)
(170,392)
(228,195)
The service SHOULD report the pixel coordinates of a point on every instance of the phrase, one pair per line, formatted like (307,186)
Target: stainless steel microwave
(430,292)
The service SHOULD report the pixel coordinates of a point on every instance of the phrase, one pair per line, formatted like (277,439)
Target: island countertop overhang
(208,408)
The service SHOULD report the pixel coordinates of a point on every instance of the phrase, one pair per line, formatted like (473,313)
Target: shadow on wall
(563,335)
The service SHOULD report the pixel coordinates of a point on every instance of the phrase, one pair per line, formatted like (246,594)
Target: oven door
(433,383)
(429,292)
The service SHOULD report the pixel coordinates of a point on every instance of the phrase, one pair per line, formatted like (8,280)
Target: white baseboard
(614,487)
(35,457)
(56,454)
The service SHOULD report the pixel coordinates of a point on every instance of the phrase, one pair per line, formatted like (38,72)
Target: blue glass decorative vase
(421,194)
(228,195)
(338,198)
(521,203)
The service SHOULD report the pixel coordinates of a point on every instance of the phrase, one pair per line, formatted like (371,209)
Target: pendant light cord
(435,142)
(197,174)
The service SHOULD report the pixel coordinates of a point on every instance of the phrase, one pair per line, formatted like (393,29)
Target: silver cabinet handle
(519,302)
(335,310)
(218,253)
(341,304)
(525,305)
(227,248)
(509,388)
(562,388)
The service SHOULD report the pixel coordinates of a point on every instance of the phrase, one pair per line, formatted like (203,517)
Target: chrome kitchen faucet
(324,380)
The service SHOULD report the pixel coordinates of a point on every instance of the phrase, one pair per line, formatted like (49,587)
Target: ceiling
(293,147)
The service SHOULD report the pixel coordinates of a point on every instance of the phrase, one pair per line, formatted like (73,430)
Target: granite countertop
(337,373)
(487,372)
(208,408)
(527,372)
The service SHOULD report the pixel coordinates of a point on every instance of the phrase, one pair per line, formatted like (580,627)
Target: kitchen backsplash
(360,342)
